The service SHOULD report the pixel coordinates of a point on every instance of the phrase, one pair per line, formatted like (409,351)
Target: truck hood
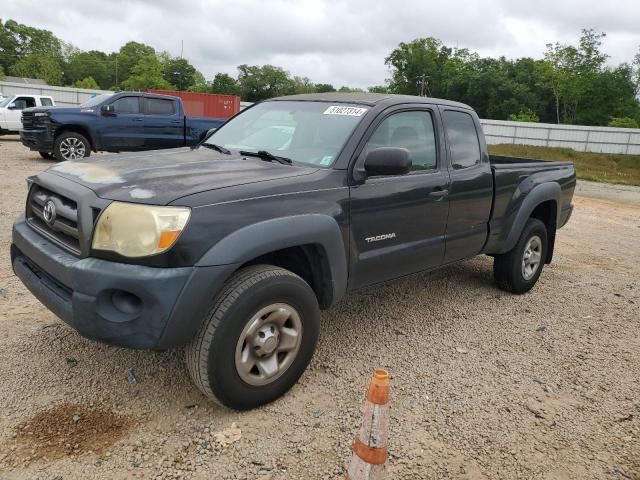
(159,177)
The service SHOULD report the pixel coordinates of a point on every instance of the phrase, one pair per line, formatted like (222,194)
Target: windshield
(306,132)
(5,102)
(97,100)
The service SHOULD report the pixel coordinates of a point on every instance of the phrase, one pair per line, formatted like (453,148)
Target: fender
(275,234)
(539,194)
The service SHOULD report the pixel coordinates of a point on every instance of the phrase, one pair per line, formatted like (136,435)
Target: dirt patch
(67,429)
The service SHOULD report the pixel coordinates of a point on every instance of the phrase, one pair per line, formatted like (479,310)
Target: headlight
(134,230)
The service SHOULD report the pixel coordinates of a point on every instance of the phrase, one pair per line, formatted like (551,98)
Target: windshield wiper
(268,156)
(218,148)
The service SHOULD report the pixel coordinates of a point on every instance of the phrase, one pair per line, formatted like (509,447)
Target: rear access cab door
(398,223)
(471,189)
(163,123)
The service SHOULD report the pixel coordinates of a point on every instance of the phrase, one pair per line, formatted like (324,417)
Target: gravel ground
(485,385)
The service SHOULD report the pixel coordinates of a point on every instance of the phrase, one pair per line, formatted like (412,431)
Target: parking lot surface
(485,385)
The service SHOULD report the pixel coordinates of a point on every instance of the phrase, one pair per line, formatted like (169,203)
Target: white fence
(583,139)
(63,96)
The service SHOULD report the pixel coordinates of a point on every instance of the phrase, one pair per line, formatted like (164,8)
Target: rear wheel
(257,339)
(71,146)
(518,270)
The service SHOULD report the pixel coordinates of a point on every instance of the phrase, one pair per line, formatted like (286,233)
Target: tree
(87,82)
(147,73)
(379,89)
(261,82)
(345,89)
(94,64)
(179,72)
(324,87)
(129,55)
(200,83)
(37,65)
(225,84)
(524,115)
(623,122)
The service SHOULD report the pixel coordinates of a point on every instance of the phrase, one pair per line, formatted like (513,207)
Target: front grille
(62,226)
(28,119)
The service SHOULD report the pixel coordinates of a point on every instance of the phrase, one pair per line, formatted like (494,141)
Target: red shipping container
(205,104)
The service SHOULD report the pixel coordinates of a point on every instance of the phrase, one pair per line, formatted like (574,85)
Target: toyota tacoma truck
(233,248)
(126,121)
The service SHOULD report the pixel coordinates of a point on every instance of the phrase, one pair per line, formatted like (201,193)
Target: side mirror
(387,161)
(12,107)
(108,110)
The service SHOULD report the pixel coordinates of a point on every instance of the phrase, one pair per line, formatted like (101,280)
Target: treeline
(569,84)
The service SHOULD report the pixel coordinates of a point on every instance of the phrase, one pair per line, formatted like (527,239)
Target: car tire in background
(257,339)
(71,146)
(518,270)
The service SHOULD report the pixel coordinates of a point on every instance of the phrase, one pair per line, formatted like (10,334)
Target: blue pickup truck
(125,121)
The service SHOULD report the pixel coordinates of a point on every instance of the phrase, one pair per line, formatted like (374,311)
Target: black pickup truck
(234,247)
(121,122)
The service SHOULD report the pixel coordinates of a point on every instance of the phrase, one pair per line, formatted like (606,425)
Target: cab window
(126,105)
(24,102)
(411,130)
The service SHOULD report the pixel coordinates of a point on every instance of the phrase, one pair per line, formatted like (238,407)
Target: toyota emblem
(49,212)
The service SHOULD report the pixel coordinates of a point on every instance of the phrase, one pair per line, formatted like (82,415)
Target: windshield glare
(306,132)
(95,100)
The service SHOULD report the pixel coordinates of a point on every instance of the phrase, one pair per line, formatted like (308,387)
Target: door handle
(439,194)
(138,119)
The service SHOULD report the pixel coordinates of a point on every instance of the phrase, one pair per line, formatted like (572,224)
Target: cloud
(343,42)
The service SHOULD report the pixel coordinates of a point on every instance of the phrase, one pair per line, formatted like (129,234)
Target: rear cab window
(159,106)
(464,145)
(46,102)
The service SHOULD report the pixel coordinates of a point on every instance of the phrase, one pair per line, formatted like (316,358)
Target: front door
(123,128)
(398,222)
(13,114)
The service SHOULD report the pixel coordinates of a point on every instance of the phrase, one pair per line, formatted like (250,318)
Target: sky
(342,42)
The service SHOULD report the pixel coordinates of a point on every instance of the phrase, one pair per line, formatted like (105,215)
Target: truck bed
(514,178)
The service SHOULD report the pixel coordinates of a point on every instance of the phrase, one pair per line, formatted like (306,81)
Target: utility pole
(116,69)
(181,47)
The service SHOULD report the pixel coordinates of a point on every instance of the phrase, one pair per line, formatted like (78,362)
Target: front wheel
(518,270)
(71,146)
(257,339)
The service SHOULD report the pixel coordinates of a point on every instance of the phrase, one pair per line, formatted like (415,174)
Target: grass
(597,167)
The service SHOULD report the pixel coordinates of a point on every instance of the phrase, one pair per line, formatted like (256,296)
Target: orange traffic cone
(370,447)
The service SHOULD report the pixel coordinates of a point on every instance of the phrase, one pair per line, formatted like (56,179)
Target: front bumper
(39,139)
(127,305)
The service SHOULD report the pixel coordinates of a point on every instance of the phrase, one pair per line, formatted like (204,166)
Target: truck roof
(370,99)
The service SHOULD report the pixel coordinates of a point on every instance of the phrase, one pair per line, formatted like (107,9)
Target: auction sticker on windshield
(338,110)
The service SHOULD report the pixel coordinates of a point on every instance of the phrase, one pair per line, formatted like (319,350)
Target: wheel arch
(542,203)
(309,245)
(81,129)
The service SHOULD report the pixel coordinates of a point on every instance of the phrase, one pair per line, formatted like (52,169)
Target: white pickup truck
(11,110)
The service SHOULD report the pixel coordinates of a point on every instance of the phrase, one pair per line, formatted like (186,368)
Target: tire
(47,155)
(509,269)
(216,355)
(71,146)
